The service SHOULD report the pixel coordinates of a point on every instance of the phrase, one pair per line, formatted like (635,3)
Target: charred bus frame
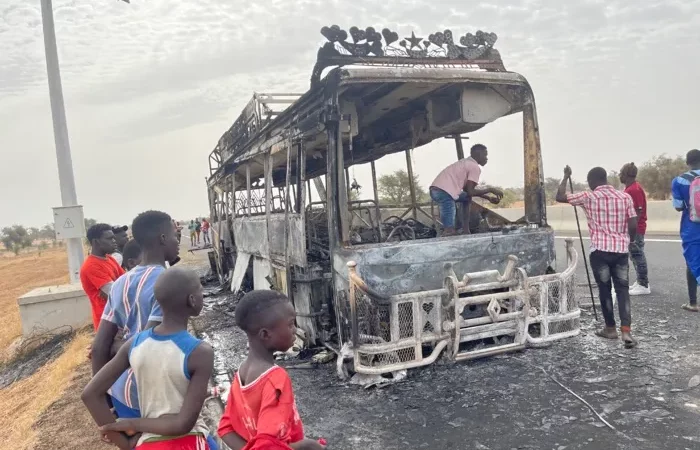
(395,304)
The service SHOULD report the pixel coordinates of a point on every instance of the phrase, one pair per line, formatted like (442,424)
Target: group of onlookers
(150,376)
(199,229)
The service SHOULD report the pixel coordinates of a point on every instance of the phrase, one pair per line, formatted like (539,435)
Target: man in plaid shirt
(612,224)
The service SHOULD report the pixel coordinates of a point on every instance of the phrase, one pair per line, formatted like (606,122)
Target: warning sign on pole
(68,222)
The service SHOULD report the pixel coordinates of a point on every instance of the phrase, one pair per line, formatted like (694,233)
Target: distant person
(100,269)
(172,369)
(121,236)
(628,177)
(685,191)
(132,306)
(132,255)
(458,183)
(205,231)
(193,233)
(261,412)
(198,230)
(612,224)
(178,230)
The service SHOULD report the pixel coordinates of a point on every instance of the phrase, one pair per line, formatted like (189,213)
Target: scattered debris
(578,397)
(603,379)
(323,357)
(292,352)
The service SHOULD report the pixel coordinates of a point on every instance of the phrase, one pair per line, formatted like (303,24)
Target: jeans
(206,236)
(447,205)
(639,260)
(613,269)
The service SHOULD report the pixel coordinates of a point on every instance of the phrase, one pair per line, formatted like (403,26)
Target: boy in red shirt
(628,176)
(261,412)
(100,269)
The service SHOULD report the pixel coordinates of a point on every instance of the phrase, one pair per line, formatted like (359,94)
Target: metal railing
(483,314)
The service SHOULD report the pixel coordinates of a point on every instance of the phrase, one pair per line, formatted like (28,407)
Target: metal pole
(583,254)
(460,148)
(411,184)
(60,130)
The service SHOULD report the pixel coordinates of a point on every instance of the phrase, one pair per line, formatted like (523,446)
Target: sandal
(691,308)
(606,333)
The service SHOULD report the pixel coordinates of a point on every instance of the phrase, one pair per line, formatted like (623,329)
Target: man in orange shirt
(100,269)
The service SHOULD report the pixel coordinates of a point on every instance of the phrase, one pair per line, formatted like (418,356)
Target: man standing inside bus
(458,183)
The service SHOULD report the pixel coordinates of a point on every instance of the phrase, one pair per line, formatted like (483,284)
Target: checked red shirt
(607,211)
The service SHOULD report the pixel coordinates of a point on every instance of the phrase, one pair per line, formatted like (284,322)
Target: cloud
(161,80)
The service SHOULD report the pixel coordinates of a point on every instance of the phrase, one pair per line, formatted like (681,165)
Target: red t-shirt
(266,406)
(639,198)
(94,274)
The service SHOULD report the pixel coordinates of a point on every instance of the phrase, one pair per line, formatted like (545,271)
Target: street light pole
(60,130)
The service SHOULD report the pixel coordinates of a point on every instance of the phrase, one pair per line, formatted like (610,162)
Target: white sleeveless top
(159,363)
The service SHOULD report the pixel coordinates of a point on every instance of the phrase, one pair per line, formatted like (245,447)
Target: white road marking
(586,238)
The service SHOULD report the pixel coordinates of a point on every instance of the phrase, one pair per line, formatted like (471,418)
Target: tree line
(17,237)
(654,175)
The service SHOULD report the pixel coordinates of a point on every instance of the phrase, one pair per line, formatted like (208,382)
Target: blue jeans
(447,205)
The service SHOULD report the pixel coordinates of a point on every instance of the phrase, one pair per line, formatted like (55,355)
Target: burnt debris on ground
(593,394)
(34,353)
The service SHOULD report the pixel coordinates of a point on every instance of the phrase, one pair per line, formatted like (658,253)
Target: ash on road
(507,402)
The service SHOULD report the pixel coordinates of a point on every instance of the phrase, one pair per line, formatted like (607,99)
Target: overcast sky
(149,88)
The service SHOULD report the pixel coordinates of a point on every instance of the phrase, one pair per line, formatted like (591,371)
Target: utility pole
(69,197)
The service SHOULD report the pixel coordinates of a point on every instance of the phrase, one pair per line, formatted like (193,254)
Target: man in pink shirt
(458,183)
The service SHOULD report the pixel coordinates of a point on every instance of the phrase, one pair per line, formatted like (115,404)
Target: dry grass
(20,274)
(54,432)
(23,402)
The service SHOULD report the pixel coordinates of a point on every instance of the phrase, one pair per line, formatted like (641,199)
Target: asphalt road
(507,402)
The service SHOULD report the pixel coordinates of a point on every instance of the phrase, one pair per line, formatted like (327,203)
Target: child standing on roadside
(261,412)
(172,370)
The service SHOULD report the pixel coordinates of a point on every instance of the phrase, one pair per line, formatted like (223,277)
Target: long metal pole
(583,254)
(60,130)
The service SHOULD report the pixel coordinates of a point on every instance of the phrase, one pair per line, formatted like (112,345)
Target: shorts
(189,442)
(124,412)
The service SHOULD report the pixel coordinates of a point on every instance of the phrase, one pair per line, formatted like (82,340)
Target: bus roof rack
(369,47)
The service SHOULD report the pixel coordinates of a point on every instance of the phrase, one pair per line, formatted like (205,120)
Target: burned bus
(376,280)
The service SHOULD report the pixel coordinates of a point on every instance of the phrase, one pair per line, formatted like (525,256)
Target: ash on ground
(648,395)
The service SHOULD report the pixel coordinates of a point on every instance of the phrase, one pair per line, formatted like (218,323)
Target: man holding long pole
(612,224)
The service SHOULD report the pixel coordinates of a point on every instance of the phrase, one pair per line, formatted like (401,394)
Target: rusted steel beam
(411,184)
(534,178)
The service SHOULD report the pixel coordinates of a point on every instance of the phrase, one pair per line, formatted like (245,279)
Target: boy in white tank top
(172,370)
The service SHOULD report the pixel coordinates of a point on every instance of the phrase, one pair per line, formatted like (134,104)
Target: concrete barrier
(48,308)
(662,218)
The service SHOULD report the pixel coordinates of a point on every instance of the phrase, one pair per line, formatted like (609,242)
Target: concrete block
(47,308)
